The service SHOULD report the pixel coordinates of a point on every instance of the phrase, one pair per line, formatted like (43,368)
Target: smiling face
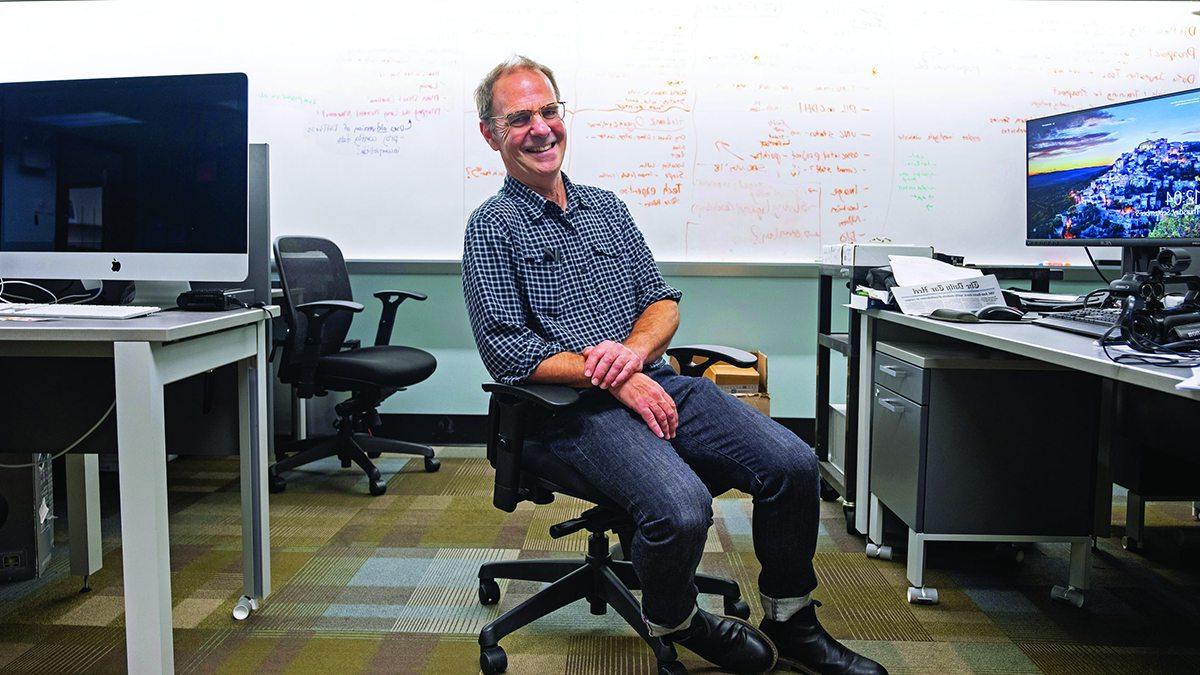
(532,154)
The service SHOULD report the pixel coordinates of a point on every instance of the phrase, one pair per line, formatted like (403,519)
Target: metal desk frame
(149,353)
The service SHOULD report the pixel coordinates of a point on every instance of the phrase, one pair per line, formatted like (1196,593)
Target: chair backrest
(310,269)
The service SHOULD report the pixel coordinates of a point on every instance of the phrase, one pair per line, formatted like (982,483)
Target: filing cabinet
(970,444)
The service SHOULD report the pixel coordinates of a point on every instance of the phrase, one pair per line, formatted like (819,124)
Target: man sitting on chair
(562,289)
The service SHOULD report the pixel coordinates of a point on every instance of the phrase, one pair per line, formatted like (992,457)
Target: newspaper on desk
(925,284)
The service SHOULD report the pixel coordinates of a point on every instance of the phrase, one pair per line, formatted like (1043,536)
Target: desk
(148,353)
(1063,349)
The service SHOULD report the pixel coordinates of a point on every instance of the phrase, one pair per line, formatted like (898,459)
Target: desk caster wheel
(828,494)
(244,606)
(1131,545)
(881,552)
(922,596)
(492,660)
(1012,554)
(672,668)
(848,513)
(1067,594)
(377,488)
(275,484)
(737,608)
(432,464)
(489,592)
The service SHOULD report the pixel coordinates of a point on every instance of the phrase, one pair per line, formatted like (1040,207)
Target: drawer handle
(887,404)
(891,370)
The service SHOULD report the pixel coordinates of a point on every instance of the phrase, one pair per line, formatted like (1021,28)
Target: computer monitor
(1125,174)
(139,178)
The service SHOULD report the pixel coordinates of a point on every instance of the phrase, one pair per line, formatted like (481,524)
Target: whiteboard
(736,132)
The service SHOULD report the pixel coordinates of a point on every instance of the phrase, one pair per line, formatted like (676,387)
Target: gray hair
(483,93)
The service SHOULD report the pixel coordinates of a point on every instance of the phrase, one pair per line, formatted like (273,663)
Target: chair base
(358,448)
(599,579)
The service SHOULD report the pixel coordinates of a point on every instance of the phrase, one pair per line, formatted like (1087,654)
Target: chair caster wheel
(489,592)
(375,475)
(672,668)
(377,488)
(374,455)
(432,464)
(737,608)
(922,596)
(275,484)
(1132,545)
(493,660)
(828,494)
(1067,594)
(345,464)
(244,606)
(881,552)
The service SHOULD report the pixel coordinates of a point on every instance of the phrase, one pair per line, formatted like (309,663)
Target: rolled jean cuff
(782,609)
(659,631)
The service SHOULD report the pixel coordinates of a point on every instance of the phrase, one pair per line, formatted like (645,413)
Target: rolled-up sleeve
(650,285)
(511,351)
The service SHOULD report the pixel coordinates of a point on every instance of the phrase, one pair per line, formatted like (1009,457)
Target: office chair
(318,308)
(527,471)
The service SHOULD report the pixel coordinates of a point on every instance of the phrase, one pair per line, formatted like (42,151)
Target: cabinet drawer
(903,378)
(897,446)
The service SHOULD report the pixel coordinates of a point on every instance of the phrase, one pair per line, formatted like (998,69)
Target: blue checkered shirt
(539,281)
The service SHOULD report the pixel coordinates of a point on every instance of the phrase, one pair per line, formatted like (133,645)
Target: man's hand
(648,399)
(610,364)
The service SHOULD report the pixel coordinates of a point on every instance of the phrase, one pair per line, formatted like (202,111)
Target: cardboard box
(733,380)
(748,385)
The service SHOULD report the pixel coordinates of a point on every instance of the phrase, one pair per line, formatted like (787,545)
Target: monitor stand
(158,293)
(1137,258)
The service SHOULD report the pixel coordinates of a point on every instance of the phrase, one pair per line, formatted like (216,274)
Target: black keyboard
(1091,321)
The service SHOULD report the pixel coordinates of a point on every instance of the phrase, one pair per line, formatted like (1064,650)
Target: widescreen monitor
(140,178)
(1119,175)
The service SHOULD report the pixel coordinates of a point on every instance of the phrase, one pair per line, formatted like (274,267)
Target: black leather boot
(805,646)
(726,642)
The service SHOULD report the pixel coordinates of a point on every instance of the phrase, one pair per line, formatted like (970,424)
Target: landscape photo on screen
(1125,171)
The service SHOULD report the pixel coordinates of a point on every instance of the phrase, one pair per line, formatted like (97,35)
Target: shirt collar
(536,203)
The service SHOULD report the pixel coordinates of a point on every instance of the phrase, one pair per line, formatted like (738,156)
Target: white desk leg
(256,544)
(83,514)
(866,389)
(145,553)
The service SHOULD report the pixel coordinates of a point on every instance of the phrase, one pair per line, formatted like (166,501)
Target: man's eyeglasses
(522,118)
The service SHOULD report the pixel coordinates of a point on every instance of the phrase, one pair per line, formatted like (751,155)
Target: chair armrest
(318,311)
(510,412)
(313,309)
(712,354)
(545,395)
(387,319)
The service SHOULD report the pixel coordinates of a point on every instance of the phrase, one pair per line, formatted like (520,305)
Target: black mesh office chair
(527,471)
(318,308)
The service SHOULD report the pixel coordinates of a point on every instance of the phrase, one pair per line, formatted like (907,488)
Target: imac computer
(1125,174)
(132,179)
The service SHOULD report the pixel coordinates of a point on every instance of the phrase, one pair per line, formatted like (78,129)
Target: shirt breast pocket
(543,284)
(610,276)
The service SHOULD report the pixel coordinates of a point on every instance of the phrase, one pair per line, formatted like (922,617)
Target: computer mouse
(999,313)
(959,315)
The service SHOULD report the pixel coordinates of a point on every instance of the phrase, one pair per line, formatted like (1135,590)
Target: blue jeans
(668,486)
